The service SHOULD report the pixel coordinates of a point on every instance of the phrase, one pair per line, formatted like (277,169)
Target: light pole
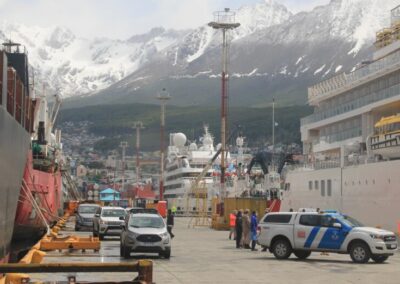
(138,126)
(123,145)
(224,20)
(163,97)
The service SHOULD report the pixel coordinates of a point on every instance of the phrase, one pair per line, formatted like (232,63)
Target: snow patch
(338,68)
(299,59)
(283,70)
(319,69)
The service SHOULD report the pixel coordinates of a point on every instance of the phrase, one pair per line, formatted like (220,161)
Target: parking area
(202,255)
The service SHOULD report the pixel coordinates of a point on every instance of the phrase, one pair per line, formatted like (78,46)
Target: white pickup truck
(304,232)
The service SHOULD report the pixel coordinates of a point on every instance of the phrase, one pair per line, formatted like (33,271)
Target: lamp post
(138,126)
(225,21)
(163,97)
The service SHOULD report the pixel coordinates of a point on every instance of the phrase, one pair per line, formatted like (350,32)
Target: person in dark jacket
(170,223)
(239,228)
(253,230)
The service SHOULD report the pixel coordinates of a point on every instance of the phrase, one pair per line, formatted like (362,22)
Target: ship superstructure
(184,164)
(347,139)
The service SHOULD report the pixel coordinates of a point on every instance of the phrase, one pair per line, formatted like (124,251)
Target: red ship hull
(46,189)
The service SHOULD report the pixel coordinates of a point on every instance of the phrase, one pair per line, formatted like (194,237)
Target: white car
(107,222)
(305,232)
(145,232)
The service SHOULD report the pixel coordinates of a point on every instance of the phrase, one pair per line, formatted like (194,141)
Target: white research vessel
(351,141)
(186,161)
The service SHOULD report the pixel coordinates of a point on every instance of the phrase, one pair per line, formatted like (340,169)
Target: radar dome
(239,141)
(179,139)
(193,147)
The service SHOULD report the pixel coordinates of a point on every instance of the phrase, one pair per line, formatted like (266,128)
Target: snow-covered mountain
(272,53)
(76,66)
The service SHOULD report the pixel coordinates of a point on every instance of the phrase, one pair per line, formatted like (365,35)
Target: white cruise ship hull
(368,192)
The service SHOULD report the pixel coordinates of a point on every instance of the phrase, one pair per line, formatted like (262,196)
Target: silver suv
(145,232)
(84,216)
(107,221)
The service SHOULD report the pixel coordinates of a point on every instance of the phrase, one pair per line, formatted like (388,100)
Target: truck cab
(301,233)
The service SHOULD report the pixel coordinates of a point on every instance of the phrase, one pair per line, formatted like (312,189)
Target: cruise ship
(351,141)
(185,161)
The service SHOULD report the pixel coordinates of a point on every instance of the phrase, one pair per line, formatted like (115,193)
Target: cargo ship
(40,201)
(351,141)
(16,125)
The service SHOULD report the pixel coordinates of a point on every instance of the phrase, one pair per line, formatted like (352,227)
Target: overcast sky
(123,18)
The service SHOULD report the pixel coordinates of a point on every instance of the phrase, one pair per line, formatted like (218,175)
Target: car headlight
(103,222)
(377,237)
(164,235)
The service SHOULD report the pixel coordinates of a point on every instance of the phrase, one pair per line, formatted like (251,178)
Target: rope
(34,204)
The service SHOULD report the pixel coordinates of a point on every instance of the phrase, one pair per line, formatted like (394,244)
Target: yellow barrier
(70,242)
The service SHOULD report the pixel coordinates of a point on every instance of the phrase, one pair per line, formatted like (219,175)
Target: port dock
(203,255)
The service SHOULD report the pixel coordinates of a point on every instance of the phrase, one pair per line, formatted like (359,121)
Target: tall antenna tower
(138,125)
(123,145)
(225,21)
(163,97)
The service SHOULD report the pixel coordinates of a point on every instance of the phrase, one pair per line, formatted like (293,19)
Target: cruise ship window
(316,184)
(310,185)
(322,187)
(329,187)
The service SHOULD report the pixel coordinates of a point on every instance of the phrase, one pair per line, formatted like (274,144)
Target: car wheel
(126,253)
(95,234)
(302,254)
(281,249)
(379,258)
(166,254)
(360,253)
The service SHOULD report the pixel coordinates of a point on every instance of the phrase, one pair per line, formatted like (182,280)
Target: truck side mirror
(337,225)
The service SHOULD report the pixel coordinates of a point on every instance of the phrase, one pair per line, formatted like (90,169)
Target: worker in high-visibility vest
(232,222)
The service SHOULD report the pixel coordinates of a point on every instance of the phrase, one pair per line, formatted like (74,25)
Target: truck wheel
(360,253)
(281,249)
(379,258)
(302,254)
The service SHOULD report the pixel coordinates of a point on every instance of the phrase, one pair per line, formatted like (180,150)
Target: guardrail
(144,268)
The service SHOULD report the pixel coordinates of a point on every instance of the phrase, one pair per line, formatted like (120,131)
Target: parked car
(84,216)
(301,233)
(145,232)
(107,221)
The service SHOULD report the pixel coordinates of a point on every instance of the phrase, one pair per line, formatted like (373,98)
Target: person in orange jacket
(232,222)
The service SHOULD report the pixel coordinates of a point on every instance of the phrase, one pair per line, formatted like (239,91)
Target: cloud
(121,19)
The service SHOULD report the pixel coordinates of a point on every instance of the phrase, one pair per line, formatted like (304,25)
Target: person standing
(232,224)
(239,228)
(246,229)
(170,223)
(253,229)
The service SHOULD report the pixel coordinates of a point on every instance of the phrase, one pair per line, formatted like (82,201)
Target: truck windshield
(146,222)
(350,221)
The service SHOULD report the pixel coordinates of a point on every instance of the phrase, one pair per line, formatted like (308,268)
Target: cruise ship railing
(352,105)
(343,79)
